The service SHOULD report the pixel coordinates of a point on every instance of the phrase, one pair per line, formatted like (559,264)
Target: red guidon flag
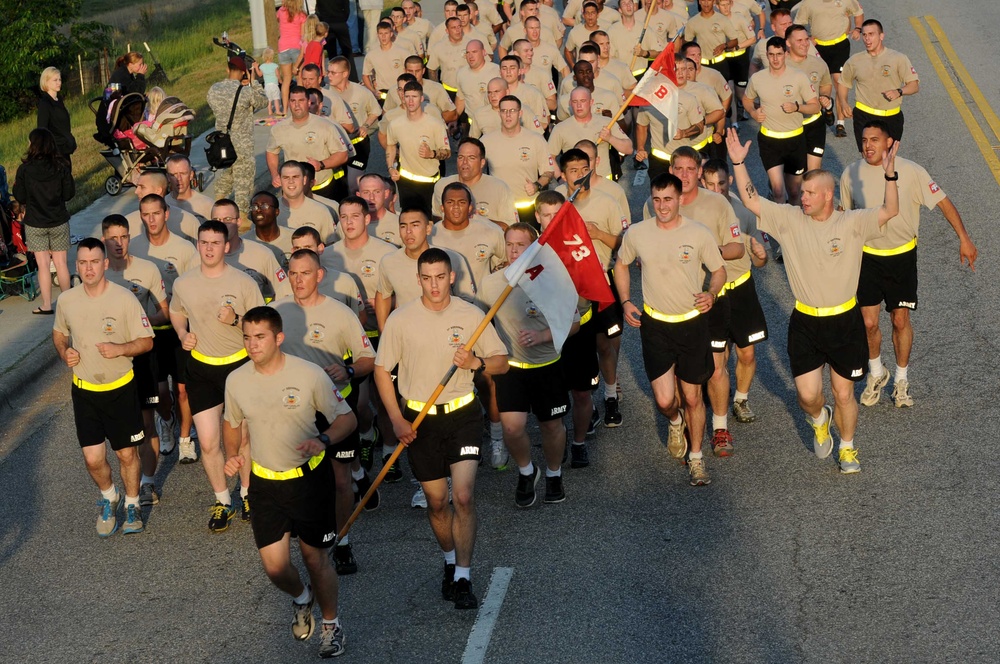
(658,88)
(558,268)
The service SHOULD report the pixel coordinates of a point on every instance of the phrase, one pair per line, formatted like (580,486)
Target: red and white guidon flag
(658,88)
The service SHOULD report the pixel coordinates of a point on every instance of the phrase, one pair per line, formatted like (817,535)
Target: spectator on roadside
(291,34)
(336,13)
(44,184)
(52,113)
(129,73)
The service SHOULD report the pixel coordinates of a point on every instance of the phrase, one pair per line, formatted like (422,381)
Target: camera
(235,52)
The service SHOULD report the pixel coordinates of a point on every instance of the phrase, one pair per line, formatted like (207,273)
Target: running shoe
(722,443)
(554,492)
(448,583)
(331,641)
(822,440)
(395,473)
(464,599)
(343,559)
(303,623)
(221,516)
(901,393)
(246,509)
(677,444)
(188,454)
(841,131)
(612,415)
(499,455)
(742,412)
(699,475)
(524,495)
(361,488)
(133,520)
(848,458)
(147,495)
(107,519)
(595,419)
(419,500)
(873,390)
(580,457)
(165,431)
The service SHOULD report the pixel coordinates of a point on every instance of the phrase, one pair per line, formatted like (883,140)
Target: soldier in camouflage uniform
(237,181)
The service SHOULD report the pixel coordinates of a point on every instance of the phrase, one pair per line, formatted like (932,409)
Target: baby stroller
(127,151)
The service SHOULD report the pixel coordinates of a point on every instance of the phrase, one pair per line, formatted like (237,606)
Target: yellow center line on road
(951,87)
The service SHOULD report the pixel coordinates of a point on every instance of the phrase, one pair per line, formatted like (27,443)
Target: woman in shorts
(291,27)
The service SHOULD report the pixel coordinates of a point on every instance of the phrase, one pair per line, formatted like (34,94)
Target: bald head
(821,178)
(151,182)
(475,54)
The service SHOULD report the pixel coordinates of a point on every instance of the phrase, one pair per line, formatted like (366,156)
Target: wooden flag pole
(649,14)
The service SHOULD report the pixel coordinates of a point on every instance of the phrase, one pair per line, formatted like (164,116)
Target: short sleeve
(234,415)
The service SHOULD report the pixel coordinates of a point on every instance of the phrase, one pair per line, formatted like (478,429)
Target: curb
(35,362)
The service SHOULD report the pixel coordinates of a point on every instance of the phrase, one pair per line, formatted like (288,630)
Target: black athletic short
(206,383)
(836,55)
(789,153)
(115,415)
(444,439)
(346,451)
(611,319)
(838,340)
(683,346)
(747,325)
(893,122)
(657,166)
(815,133)
(145,381)
(541,391)
(363,149)
(336,190)
(718,324)
(739,68)
(581,370)
(412,192)
(526,215)
(181,359)
(722,67)
(165,346)
(889,279)
(303,506)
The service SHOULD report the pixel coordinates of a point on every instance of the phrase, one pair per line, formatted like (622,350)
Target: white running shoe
(500,457)
(165,430)
(419,500)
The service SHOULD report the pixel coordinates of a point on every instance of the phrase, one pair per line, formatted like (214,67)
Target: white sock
(449,557)
(358,474)
(720,421)
(368,435)
(224,497)
(146,479)
(847,444)
(462,572)
(333,623)
(304,598)
(527,470)
(111,494)
(677,422)
(345,541)
(900,373)
(695,456)
(611,390)
(840,122)
(875,367)
(244,491)
(581,443)
(496,430)
(553,473)
(184,439)
(821,420)
(132,500)
(740,396)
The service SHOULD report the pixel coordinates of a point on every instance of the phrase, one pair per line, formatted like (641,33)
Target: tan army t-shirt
(142,278)
(597,208)
(871,76)
(173,258)
(482,244)
(309,213)
(790,86)
(410,135)
(714,212)
(316,138)
(199,298)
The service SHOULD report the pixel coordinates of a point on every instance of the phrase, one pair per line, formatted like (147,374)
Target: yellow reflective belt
(524,205)
(382,94)
(639,72)
(736,54)
(909,246)
(454,404)
(220,361)
(102,387)
(739,281)
(780,134)
(168,326)
(268,474)
(449,88)
(704,142)
(357,140)
(371,334)
(526,365)
(875,111)
(584,319)
(713,61)
(831,42)
(811,119)
(418,178)
(660,154)
(320,185)
(669,318)
(826,311)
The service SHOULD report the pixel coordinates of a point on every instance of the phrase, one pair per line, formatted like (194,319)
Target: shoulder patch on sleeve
(933,186)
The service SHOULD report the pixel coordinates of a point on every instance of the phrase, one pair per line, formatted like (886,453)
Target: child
(269,70)
(313,53)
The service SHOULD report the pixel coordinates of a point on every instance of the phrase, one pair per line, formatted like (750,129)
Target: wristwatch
(236,321)
(350,371)
(323,438)
(895,176)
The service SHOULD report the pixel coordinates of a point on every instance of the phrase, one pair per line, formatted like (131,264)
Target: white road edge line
(489,611)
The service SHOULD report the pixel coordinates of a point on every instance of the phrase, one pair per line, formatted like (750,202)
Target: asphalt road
(781,559)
